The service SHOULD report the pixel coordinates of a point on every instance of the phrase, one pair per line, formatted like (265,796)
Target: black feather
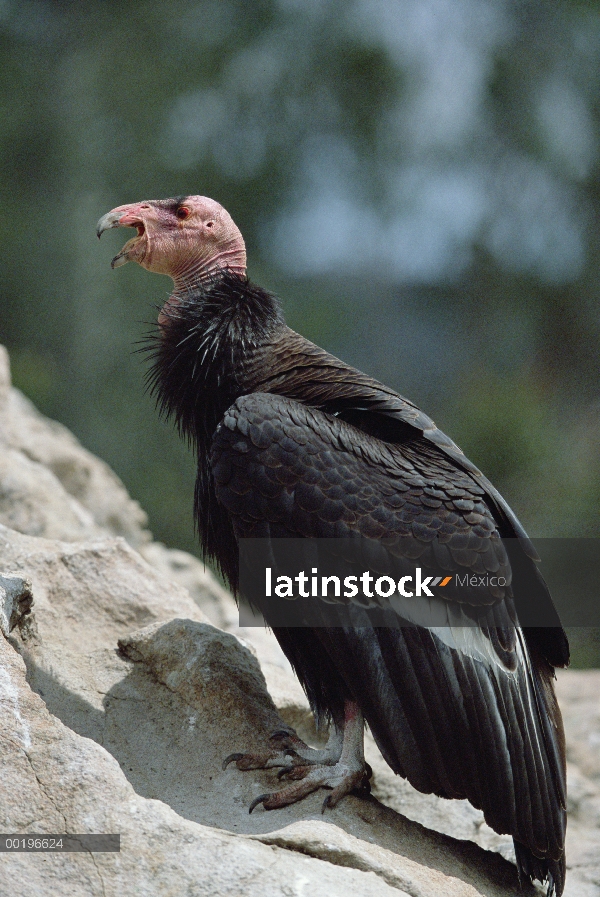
(292,442)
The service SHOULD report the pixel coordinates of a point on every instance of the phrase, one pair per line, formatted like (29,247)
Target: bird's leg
(289,751)
(349,772)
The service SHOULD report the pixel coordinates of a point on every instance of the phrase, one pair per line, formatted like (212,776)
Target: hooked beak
(111,219)
(124,216)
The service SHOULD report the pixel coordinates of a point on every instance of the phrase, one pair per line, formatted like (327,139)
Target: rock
(87,480)
(222,611)
(89,594)
(55,781)
(579,697)
(208,680)
(189,572)
(33,502)
(135,681)
(50,486)
(191,693)
(207,668)
(201,584)
(16,600)
(180,696)
(330,843)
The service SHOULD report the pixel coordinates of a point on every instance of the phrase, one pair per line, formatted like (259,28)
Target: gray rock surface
(579,696)
(130,681)
(16,600)
(50,485)
(57,781)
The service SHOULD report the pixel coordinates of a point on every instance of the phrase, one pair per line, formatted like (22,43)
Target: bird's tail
(548,871)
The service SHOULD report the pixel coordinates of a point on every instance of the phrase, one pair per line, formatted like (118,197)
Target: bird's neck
(198,275)
(201,261)
(209,336)
(201,271)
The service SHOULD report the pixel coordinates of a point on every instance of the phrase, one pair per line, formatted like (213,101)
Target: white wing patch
(453,627)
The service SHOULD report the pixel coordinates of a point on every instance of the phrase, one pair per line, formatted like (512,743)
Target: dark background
(418,180)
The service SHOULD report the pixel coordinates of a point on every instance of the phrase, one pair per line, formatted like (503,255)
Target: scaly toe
(353,782)
(341,777)
(282,751)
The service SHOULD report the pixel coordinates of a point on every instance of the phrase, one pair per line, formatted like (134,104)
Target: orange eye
(183,213)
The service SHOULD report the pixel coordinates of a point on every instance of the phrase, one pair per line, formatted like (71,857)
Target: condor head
(187,237)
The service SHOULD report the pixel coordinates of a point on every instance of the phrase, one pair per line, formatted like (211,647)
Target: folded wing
(463,712)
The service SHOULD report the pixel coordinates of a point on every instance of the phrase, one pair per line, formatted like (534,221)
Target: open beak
(124,216)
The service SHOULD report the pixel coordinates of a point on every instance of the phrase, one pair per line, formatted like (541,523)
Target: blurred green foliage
(419,182)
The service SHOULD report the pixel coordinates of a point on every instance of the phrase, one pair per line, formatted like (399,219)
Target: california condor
(292,442)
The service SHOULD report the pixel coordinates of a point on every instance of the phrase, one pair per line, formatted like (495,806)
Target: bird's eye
(210,223)
(183,213)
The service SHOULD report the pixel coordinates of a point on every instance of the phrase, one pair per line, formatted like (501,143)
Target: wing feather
(465,712)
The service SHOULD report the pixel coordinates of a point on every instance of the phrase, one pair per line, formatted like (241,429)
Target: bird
(293,443)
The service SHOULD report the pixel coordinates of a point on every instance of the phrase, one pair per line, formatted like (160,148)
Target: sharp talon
(283,772)
(368,772)
(230,759)
(257,801)
(325,803)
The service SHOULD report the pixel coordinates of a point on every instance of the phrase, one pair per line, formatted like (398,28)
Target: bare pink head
(187,238)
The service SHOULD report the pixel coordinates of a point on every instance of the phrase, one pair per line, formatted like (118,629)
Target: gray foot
(342,777)
(287,750)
